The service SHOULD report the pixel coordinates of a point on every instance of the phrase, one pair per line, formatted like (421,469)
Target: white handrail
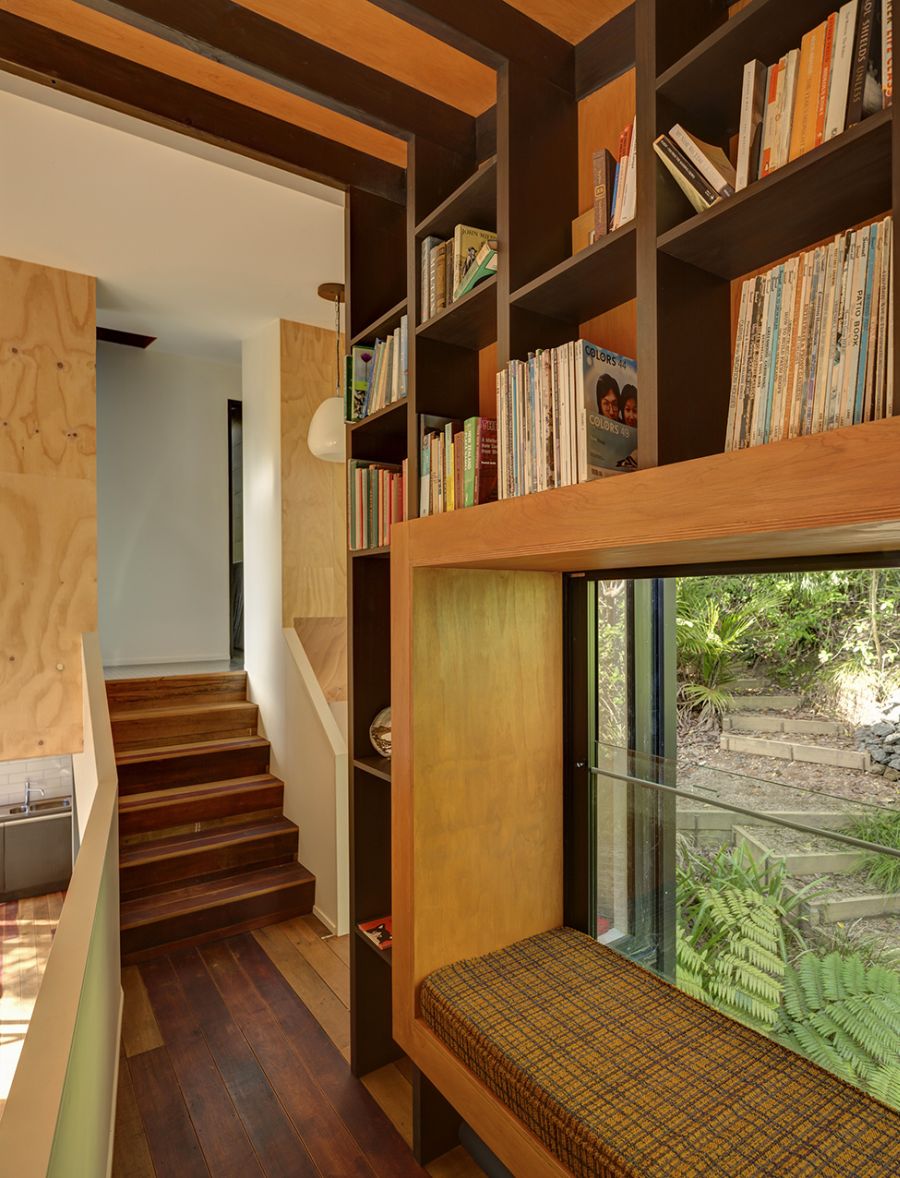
(60,1114)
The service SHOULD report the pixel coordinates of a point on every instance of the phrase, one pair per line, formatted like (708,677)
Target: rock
(891,775)
(882,729)
(880,756)
(893,738)
(894,762)
(876,769)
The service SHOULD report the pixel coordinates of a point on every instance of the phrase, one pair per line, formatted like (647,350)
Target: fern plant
(845,1016)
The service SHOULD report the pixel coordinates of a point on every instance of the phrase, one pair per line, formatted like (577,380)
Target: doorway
(236,528)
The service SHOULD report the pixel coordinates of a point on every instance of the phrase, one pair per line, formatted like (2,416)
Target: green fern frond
(884,1084)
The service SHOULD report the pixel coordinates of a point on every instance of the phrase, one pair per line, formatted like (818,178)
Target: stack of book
(701,170)
(814,344)
(376,498)
(614,180)
(450,269)
(842,72)
(566,415)
(376,377)
(457,463)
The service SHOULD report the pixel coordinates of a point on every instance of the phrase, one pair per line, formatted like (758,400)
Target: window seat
(621,1075)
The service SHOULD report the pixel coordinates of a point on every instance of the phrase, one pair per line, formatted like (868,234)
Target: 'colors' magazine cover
(606,391)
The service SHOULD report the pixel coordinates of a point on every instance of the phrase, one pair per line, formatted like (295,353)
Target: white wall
(162,490)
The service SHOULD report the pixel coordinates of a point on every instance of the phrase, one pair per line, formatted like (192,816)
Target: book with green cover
(467,241)
(357,380)
(484,266)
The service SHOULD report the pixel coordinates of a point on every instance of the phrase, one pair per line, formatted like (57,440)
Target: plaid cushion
(621,1074)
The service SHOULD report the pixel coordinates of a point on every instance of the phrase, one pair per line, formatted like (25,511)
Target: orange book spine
(825,78)
(771,98)
(806,102)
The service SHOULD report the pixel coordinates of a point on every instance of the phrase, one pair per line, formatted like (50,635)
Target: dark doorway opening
(236,526)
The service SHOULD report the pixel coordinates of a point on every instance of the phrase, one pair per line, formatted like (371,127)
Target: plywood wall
(48,504)
(313,493)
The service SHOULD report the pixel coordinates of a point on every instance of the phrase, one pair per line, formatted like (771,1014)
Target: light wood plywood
(571,19)
(113,36)
(367,34)
(48,509)
(487,762)
(313,493)
(325,643)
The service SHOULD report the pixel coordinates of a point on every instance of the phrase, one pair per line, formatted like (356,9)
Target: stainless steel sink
(39,809)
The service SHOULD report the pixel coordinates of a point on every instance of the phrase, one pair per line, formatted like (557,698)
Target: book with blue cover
(606,411)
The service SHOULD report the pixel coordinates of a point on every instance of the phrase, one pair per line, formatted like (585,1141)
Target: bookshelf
(661,288)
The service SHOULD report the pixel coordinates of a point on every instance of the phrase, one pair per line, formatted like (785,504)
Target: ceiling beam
(77,68)
(492,32)
(245,41)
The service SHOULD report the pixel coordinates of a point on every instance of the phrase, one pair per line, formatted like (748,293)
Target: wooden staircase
(204,848)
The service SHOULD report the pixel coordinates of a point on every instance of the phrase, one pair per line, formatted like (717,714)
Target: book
(484,266)
(429,244)
(710,161)
(438,440)
(606,404)
(359,366)
(753,98)
(768,127)
(438,277)
(603,173)
(479,466)
(841,64)
(629,192)
(825,78)
(859,69)
(887,52)
(787,88)
(380,932)
(467,241)
(376,500)
(808,85)
(621,171)
(698,191)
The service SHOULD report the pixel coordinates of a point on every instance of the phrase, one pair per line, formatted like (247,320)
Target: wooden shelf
(386,325)
(592,281)
(384,954)
(823,192)
(356,553)
(393,413)
(824,495)
(706,82)
(378,766)
(473,203)
(469,323)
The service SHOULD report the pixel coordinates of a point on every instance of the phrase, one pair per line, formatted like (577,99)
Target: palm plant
(709,641)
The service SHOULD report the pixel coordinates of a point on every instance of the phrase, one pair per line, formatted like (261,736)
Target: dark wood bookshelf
(381,328)
(384,550)
(471,322)
(830,188)
(592,281)
(378,766)
(384,954)
(679,267)
(474,203)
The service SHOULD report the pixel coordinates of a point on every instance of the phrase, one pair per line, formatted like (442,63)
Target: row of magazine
(814,345)
(376,500)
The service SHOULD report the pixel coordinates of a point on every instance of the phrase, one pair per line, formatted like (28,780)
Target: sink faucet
(31,789)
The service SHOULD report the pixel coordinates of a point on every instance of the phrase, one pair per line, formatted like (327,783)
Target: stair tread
(172,711)
(152,797)
(167,752)
(169,846)
(180,900)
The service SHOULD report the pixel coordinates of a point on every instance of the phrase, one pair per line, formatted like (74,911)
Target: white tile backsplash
(51,774)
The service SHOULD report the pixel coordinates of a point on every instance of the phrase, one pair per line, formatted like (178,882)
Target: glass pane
(787,918)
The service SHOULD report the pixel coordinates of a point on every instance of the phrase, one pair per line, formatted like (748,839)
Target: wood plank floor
(26,934)
(234,1063)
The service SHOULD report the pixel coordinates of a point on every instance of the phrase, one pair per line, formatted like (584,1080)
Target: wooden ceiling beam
(74,67)
(252,44)
(492,32)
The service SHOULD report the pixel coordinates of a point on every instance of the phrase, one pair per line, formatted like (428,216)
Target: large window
(741,809)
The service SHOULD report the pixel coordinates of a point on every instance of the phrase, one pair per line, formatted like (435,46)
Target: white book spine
(845,279)
(784,114)
(785,335)
(701,162)
(841,64)
(629,195)
(762,371)
(753,97)
(806,269)
(737,369)
(826,336)
(571,408)
(833,352)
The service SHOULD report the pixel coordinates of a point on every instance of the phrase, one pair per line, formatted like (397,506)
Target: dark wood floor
(225,1072)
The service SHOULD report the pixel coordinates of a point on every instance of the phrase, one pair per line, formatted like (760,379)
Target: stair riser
(207,863)
(207,877)
(167,815)
(140,732)
(193,928)
(141,776)
(183,691)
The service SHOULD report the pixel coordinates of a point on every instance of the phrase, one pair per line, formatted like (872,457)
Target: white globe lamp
(327,436)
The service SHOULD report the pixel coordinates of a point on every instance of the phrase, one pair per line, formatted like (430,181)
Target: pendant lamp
(327,437)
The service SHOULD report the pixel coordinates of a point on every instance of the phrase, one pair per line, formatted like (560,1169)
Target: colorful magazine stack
(450,269)
(376,376)
(457,463)
(814,345)
(842,72)
(376,500)
(566,415)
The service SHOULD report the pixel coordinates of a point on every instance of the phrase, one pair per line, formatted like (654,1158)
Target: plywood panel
(571,19)
(48,508)
(486,703)
(113,36)
(313,493)
(47,395)
(487,381)
(325,643)
(366,33)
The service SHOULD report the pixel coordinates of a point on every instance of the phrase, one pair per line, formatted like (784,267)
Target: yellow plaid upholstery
(621,1075)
